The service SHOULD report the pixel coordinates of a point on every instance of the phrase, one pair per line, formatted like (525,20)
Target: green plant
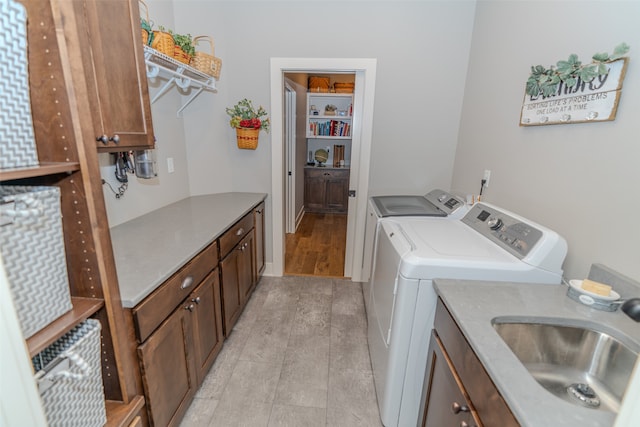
(244,115)
(184,42)
(545,81)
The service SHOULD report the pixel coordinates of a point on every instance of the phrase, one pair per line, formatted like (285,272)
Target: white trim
(19,398)
(365,70)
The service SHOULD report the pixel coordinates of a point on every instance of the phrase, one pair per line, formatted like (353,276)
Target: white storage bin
(69,378)
(17,141)
(32,249)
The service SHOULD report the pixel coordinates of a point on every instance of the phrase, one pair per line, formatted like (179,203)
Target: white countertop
(150,248)
(474,304)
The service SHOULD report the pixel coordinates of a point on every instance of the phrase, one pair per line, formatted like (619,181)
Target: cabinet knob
(196,300)
(259,211)
(190,307)
(188,281)
(466,424)
(103,138)
(240,231)
(457,408)
(115,138)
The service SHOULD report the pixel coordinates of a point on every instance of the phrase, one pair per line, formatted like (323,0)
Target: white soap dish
(600,302)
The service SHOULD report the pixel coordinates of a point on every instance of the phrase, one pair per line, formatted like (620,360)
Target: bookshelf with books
(329,115)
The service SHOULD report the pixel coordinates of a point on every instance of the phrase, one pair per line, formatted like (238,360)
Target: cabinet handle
(240,231)
(196,300)
(259,211)
(103,138)
(327,174)
(115,138)
(188,281)
(456,408)
(190,307)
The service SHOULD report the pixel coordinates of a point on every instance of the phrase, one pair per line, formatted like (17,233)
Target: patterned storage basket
(69,377)
(17,141)
(32,249)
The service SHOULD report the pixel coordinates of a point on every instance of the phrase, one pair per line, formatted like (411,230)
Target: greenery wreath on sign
(545,81)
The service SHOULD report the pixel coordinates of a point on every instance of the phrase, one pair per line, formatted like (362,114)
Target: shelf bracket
(189,100)
(178,73)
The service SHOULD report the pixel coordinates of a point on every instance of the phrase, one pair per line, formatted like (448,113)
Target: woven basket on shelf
(204,62)
(145,23)
(181,55)
(247,138)
(163,43)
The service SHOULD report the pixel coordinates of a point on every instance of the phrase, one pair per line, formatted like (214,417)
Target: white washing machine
(487,244)
(435,204)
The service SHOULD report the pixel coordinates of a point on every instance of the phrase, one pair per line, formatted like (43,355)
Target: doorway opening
(362,123)
(318,115)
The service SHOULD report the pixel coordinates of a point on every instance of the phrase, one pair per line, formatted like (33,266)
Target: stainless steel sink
(578,364)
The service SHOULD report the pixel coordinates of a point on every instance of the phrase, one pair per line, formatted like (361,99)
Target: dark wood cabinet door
(246,267)
(258,213)
(314,190)
(168,369)
(116,74)
(231,300)
(207,323)
(337,196)
(446,403)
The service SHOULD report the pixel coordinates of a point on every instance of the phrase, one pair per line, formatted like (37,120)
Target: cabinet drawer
(489,404)
(326,173)
(156,307)
(232,236)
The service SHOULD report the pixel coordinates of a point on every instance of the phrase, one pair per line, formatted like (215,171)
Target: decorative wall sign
(575,93)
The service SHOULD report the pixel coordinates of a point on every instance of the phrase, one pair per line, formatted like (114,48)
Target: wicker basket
(145,23)
(318,84)
(181,55)
(163,43)
(204,62)
(247,138)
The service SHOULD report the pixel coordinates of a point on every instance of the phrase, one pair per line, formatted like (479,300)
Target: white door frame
(290,150)
(365,71)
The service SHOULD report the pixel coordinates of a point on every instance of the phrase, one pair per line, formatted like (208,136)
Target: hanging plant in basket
(247,121)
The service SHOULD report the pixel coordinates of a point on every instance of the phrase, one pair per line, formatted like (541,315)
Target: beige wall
(581,180)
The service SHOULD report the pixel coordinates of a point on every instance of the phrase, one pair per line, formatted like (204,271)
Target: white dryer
(487,244)
(435,204)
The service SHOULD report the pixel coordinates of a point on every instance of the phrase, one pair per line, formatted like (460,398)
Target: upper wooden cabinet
(106,41)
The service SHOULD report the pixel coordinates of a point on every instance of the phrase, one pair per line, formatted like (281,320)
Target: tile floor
(297,357)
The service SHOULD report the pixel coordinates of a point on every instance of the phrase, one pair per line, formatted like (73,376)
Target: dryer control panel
(508,231)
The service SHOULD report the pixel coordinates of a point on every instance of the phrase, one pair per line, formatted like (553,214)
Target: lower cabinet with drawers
(180,327)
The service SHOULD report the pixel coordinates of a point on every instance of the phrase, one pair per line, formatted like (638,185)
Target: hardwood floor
(318,247)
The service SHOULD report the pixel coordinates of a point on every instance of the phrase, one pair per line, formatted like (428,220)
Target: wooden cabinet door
(231,300)
(337,193)
(116,74)
(168,369)
(446,402)
(207,323)
(258,213)
(246,267)
(314,190)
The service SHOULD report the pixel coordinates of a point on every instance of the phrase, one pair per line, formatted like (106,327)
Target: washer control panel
(445,201)
(508,231)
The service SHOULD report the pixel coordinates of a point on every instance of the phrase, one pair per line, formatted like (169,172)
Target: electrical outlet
(170,167)
(487,177)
